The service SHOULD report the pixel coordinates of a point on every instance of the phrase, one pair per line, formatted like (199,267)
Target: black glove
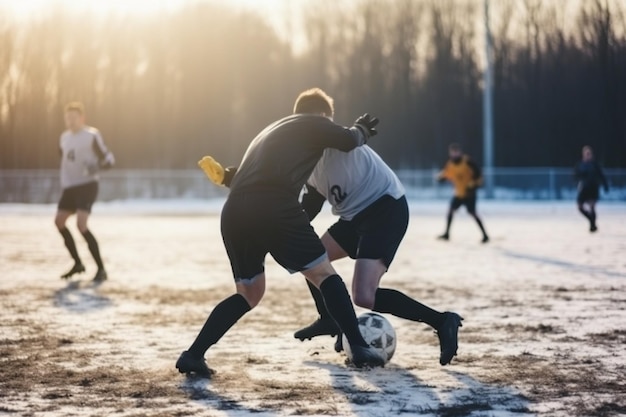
(367,125)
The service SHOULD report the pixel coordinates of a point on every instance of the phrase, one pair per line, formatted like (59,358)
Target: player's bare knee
(252,290)
(364,299)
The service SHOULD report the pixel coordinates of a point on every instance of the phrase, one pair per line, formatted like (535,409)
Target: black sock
(592,217)
(585,213)
(449,222)
(403,306)
(339,306)
(93,248)
(222,318)
(70,244)
(480,224)
(319,301)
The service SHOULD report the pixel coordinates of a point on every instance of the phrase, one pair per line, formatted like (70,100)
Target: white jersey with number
(81,153)
(351,181)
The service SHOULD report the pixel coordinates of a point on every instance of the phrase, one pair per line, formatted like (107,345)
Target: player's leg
(470,204)
(82,218)
(339,305)
(382,231)
(246,254)
(581,201)
(85,198)
(592,216)
(343,232)
(67,207)
(455,203)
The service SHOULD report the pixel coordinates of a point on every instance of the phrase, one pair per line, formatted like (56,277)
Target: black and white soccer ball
(378,333)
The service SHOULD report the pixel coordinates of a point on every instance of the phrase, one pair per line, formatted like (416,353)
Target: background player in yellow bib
(466,177)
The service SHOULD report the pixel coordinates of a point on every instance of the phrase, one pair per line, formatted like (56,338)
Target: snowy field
(544,332)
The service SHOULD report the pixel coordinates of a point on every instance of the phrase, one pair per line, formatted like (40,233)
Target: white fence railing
(42,186)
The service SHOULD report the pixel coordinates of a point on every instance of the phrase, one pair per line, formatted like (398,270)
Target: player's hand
(367,124)
(212,169)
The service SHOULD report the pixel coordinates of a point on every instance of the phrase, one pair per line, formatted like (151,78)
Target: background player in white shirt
(83,154)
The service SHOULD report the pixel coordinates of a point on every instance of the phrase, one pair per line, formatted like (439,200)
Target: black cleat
(78,268)
(448,334)
(445,236)
(319,327)
(187,364)
(593,228)
(485,239)
(100,276)
(339,343)
(365,356)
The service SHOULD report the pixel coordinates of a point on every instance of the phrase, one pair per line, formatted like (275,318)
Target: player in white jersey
(369,199)
(83,154)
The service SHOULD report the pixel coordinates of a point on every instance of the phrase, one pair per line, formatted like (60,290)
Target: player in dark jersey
(466,177)
(83,154)
(263,215)
(589,176)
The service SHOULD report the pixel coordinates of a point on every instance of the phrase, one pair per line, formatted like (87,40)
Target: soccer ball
(378,333)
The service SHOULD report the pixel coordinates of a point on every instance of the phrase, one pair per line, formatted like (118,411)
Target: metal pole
(488,108)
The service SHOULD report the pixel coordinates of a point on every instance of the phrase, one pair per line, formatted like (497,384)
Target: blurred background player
(83,154)
(374,215)
(263,215)
(466,177)
(589,176)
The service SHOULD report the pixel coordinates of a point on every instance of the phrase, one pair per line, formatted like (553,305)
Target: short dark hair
(76,106)
(455,147)
(314,101)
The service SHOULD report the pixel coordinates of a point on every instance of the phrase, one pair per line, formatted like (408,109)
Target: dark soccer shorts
(469,202)
(80,197)
(257,223)
(589,193)
(376,232)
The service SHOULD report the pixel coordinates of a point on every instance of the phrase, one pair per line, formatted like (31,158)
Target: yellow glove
(213,170)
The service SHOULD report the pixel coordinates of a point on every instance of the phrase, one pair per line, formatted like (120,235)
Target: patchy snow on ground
(544,306)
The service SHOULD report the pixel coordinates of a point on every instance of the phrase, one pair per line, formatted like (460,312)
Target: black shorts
(588,194)
(257,223)
(80,197)
(468,201)
(376,232)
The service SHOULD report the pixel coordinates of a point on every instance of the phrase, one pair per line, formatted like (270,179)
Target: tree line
(168,88)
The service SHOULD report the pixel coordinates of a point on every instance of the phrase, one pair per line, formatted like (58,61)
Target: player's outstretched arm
(328,134)
(215,172)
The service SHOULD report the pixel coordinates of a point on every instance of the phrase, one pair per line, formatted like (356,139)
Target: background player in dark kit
(589,176)
(374,215)
(263,215)
(83,154)
(466,177)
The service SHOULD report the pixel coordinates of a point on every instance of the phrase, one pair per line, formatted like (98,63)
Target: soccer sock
(222,318)
(339,306)
(480,224)
(319,301)
(592,216)
(585,213)
(93,248)
(403,306)
(449,222)
(70,244)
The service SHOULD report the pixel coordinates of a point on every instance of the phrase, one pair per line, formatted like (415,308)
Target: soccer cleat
(78,268)
(448,334)
(339,343)
(445,236)
(319,327)
(100,276)
(593,228)
(485,239)
(365,356)
(187,364)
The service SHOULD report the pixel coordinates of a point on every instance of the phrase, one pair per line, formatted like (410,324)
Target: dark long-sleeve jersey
(590,175)
(285,153)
